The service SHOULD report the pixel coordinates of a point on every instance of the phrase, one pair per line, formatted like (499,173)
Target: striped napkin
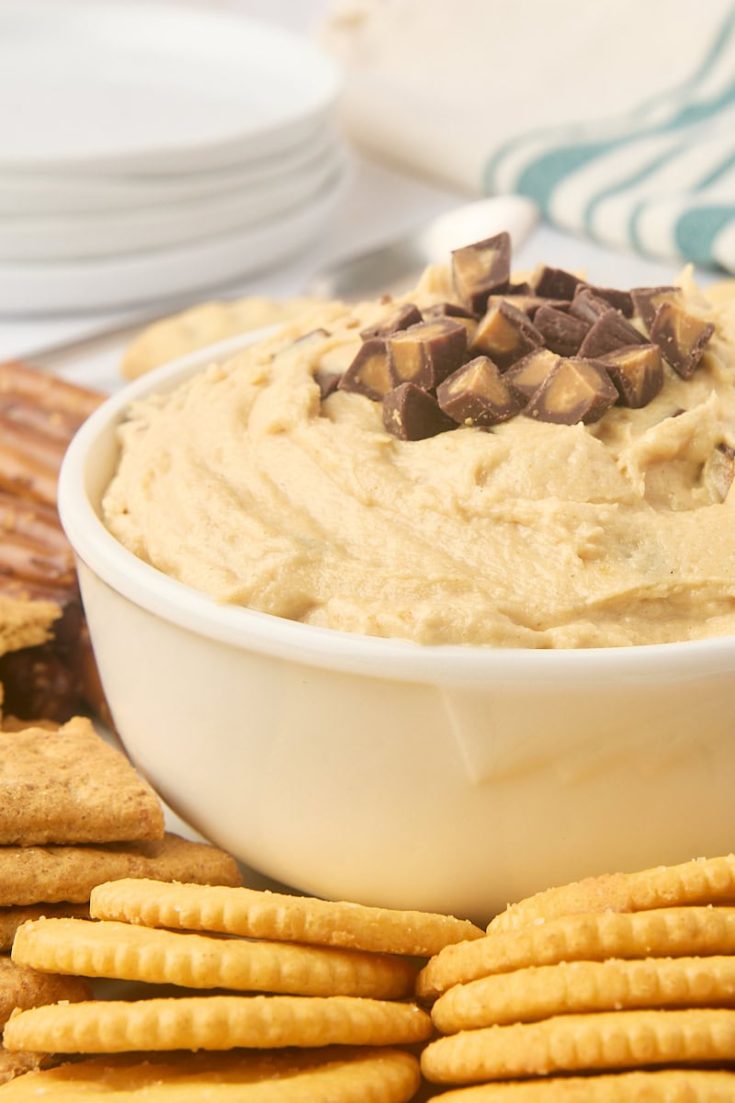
(617,117)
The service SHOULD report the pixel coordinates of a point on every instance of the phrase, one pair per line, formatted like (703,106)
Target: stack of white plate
(152,150)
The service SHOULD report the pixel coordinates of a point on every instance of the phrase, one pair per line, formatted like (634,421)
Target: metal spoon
(382,268)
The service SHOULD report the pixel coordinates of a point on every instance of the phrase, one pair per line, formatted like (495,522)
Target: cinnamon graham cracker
(12,918)
(69,786)
(23,987)
(50,874)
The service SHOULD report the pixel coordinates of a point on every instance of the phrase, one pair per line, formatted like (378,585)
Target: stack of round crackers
(615,988)
(339,978)
(73,813)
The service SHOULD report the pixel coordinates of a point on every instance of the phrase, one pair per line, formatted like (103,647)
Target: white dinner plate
(38,289)
(143,87)
(119,233)
(46,193)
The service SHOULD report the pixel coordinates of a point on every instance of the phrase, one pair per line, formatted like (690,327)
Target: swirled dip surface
(243,484)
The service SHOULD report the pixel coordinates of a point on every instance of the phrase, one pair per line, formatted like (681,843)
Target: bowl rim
(327,648)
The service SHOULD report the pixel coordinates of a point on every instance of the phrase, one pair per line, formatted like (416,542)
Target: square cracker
(14,917)
(69,786)
(49,874)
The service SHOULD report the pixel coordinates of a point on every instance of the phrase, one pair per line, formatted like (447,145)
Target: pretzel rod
(48,391)
(25,475)
(31,442)
(38,522)
(26,590)
(34,562)
(52,423)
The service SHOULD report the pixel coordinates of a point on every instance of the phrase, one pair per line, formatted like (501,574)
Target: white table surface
(380,205)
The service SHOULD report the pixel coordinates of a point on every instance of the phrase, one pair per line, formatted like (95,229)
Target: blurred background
(154,155)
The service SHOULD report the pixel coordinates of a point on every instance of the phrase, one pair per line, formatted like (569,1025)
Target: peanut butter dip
(244,484)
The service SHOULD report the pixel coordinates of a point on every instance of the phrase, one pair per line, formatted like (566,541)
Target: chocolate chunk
(618,300)
(587,306)
(368,374)
(647,300)
(327,382)
(718,472)
(523,288)
(457,313)
(555,283)
(409,413)
(525,377)
(313,337)
(562,333)
(480,269)
(681,337)
(400,318)
(528,304)
(450,310)
(427,353)
(638,373)
(505,334)
(575,390)
(477,394)
(609,332)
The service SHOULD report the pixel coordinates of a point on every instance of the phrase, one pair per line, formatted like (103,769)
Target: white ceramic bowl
(449,778)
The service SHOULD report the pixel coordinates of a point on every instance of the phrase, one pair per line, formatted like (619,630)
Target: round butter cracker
(121,951)
(271,915)
(542,992)
(579,1043)
(216,1023)
(702,881)
(662,1086)
(318,1076)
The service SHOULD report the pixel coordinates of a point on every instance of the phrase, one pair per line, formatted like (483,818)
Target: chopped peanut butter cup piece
(313,337)
(614,297)
(427,353)
(681,338)
(332,366)
(368,373)
(477,394)
(409,413)
(528,304)
(525,377)
(575,390)
(638,373)
(587,306)
(718,472)
(327,382)
(400,318)
(608,333)
(647,300)
(456,313)
(480,269)
(562,333)
(555,283)
(506,334)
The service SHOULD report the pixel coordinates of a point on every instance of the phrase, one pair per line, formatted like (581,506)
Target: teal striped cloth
(659,179)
